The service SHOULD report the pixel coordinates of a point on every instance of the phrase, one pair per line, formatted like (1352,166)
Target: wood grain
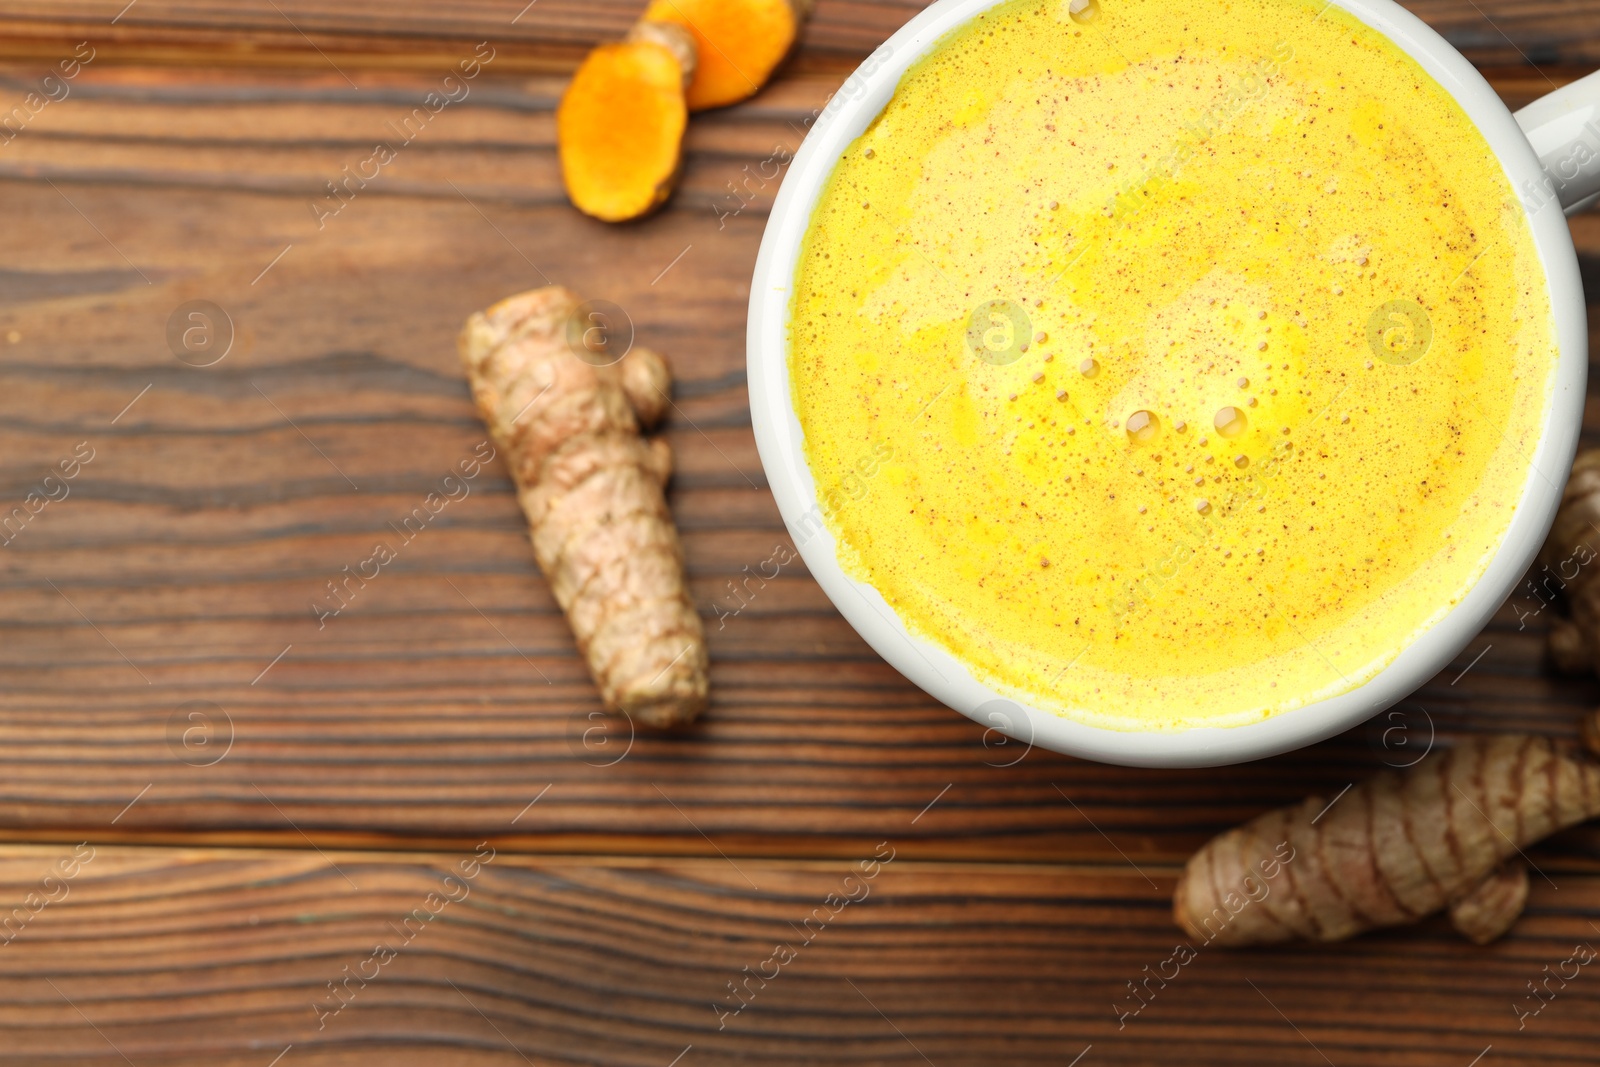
(191,956)
(222,502)
(552,35)
(445,705)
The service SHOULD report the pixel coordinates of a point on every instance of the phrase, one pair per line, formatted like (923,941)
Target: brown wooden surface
(185,956)
(429,714)
(552,34)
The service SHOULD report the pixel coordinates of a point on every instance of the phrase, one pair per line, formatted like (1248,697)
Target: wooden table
(264,797)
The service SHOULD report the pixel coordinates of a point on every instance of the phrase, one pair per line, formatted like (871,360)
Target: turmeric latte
(1169,364)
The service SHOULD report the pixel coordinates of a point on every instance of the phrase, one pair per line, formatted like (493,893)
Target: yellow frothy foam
(1205,340)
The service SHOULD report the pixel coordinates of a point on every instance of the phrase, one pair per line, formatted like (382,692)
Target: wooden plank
(191,956)
(553,34)
(545,36)
(221,501)
(445,706)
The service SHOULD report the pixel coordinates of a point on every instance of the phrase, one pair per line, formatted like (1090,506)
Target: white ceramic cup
(1550,151)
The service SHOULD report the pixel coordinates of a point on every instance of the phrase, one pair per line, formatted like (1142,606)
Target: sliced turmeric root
(739,42)
(619,129)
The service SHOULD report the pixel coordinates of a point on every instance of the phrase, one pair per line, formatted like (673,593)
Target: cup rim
(779,439)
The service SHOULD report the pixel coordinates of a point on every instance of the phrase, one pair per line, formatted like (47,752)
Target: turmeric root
(1393,849)
(1568,648)
(675,39)
(1565,574)
(740,43)
(591,489)
(1493,905)
(619,128)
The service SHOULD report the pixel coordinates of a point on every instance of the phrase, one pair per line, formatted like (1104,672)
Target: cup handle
(1564,129)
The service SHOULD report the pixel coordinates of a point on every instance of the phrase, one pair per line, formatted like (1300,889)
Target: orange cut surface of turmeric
(619,130)
(740,42)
